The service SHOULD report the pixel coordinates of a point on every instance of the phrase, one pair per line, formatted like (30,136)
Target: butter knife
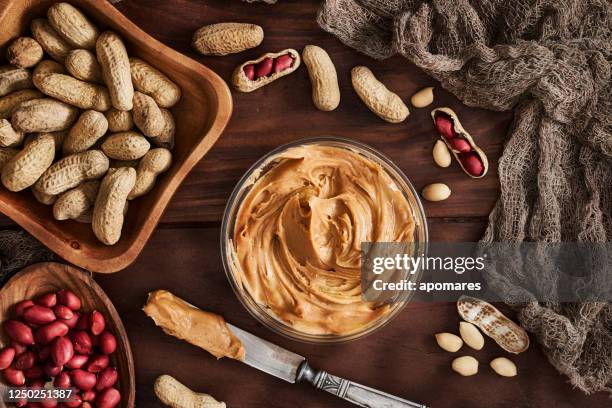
(293,368)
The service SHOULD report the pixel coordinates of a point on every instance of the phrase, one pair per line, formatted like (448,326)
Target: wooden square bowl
(201,115)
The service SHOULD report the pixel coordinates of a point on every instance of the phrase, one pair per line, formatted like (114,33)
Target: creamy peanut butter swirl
(299,231)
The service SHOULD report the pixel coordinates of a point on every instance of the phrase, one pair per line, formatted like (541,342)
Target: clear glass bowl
(230,264)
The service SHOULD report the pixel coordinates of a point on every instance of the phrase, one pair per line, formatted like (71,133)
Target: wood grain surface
(183,253)
(47,277)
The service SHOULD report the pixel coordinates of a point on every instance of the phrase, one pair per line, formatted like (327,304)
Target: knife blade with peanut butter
(206,330)
(210,332)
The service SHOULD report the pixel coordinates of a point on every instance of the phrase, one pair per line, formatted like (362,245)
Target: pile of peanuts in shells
(84,126)
(478,314)
(454,141)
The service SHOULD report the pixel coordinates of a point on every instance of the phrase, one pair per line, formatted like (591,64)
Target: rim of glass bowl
(260,312)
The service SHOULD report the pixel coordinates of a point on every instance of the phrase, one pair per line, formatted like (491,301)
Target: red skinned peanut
(83,323)
(282,63)
(263,68)
(46,334)
(97,322)
(19,348)
(7,355)
(82,379)
(63,312)
(51,369)
(78,361)
(48,300)
(461,145)
(25,360)
(97,363)
(73,321)
(444,125)
(61,351)
(14,377)
(18,331)
(249,71)
(22,306)
(107,378)
(81,341)
(34,373)
(38,315)
(472,163)
(107,343)
(44,353)
(68,298)
(62,380)
(89,395)
(108,398)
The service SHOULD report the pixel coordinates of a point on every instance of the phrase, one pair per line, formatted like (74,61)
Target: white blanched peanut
(125,146)
(72,170)
(155,162)
(436,192)
(449,342)
(108,210)
(422,98)
(90,127)
(441,155)
(504,367)
(465,366)
(9,137)
(471,335)
(22,171)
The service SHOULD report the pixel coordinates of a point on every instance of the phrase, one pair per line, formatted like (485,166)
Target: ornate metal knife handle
(353,392)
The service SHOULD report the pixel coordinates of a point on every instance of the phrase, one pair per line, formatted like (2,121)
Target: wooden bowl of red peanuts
(60,331)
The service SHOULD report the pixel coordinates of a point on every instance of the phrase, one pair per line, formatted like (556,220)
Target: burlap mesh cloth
(18,250)
(549,61)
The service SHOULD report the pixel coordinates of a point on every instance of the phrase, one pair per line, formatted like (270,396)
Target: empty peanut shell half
(254,74)
(471,158)
(510,336)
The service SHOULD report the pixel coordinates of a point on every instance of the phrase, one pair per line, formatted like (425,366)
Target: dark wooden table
(183,254)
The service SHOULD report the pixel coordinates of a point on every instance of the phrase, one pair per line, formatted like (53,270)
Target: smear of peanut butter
(299,231)
(186,322)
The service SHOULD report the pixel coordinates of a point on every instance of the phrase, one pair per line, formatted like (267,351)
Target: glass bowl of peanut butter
(293,230)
